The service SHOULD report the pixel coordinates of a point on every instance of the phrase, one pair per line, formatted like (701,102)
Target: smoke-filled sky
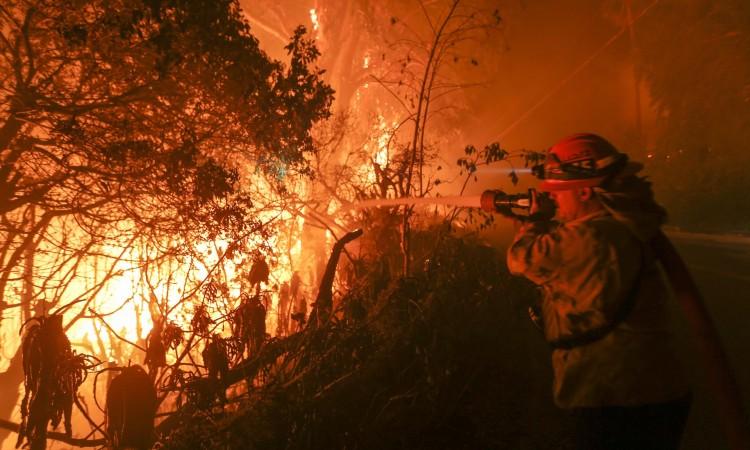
(548,42)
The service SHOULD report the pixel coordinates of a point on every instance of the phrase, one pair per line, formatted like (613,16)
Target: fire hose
(720,376)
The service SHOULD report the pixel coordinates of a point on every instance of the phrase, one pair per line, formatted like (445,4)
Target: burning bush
(441,359)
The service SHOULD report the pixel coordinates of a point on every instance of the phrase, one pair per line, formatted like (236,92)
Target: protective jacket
(603,309)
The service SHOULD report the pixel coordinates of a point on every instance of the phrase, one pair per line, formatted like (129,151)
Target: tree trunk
(13,377)
(9,382)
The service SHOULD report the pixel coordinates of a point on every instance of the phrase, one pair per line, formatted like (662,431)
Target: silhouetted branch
(62,437)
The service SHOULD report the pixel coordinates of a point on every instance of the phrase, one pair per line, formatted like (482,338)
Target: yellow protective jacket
(589,269)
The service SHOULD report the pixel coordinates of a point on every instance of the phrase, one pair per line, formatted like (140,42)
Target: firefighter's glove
(542,207)
(505,211)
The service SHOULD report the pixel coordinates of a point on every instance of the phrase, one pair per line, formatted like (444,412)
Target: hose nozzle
(495,200)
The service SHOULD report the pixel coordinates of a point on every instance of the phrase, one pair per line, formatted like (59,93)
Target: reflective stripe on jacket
(587,268)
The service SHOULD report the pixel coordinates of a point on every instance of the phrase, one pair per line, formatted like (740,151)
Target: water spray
(471,201)
(505,170)
(492,200)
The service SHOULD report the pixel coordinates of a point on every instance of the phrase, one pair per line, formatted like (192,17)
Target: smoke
(550,42)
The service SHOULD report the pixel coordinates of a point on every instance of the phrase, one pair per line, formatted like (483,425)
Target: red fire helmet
(582,160)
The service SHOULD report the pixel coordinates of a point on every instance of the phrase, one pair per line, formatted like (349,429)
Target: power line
(575,72)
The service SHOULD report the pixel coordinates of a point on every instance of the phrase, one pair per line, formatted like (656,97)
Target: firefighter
(603,309)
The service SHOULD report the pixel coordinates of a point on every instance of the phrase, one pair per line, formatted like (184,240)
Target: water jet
(490,200)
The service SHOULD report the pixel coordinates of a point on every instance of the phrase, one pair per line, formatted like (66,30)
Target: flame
(381,155)
(377,149)
(120,313)
(122,306)
(314,19)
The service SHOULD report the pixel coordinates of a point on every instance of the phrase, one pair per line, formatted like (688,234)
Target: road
(721,268)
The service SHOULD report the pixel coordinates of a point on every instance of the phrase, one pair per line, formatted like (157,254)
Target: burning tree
(135,124)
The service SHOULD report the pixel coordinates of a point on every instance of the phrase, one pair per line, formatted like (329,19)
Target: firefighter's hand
(505,211)
(534,207)
(542,207)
